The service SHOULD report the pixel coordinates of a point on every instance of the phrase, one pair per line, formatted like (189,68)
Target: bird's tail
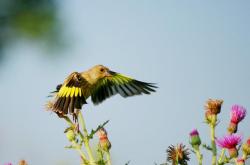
(66,105)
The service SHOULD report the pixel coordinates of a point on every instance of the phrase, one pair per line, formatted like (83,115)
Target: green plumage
(125,86)
(100,83)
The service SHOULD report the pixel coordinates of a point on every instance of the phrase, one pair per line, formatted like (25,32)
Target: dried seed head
(213,106)
(177,154)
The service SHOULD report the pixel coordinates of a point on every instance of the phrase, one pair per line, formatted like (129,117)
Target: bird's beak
(109,73)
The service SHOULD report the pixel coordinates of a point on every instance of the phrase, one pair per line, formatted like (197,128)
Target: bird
(99,83)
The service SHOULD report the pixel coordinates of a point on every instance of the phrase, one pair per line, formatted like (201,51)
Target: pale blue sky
(193,50)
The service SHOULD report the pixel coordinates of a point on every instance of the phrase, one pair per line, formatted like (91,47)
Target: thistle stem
(82,122)
(212,136)
(72,125)
(108,158)
(78,148)
(198,155)
(85,138)
(213,145)
(220,161)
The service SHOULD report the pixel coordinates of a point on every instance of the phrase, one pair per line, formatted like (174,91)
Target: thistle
(178,155)
(212,107)
(230,142)
(195,140)
(237,114)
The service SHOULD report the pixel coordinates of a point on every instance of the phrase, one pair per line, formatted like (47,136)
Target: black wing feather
(66,103)
(119,84)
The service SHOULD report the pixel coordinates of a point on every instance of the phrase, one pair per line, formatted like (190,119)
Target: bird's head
(99,71)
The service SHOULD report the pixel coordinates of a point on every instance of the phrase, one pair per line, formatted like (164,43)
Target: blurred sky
(193,50)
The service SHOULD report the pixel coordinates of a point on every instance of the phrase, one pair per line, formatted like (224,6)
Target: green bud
(70,135)
(195,140)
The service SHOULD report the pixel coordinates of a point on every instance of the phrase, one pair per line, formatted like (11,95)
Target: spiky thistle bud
(195,140)
(70,134)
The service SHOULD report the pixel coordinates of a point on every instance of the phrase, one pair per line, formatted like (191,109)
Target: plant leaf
(90,136)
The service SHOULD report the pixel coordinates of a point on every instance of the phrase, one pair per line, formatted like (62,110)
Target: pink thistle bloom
(230,142)
(238,113)
(194,132)
(8,164)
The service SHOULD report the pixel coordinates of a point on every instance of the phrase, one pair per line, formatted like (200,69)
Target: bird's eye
(102,70)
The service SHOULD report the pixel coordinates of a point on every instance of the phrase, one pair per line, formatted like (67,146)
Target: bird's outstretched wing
(70,94)
(118,83)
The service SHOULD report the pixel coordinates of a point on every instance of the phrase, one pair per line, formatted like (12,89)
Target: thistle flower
(8,164)
(237,114)
(178,155)
(195,140)
(212,107)
(246,148)
(230,142)
(103,139)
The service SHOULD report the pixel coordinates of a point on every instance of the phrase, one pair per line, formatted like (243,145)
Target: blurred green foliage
(29,19)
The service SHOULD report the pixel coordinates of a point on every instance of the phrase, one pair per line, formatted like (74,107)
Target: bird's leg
(75,115)
(75,120)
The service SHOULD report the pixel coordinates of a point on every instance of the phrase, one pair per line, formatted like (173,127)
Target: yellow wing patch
(80,92)
(76,92)
(62,91)
(72,92)
(69,92)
